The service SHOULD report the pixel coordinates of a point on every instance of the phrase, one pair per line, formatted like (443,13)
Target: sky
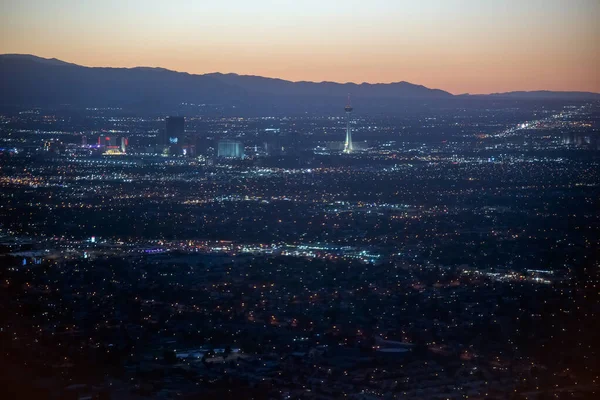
(462,46)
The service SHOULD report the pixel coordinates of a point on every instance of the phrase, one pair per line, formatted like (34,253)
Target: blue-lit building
(230,149)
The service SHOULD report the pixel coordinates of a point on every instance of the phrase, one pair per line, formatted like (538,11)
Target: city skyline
(300,200)
(457,46)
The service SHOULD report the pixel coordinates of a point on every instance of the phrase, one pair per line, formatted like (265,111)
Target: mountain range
(27,80)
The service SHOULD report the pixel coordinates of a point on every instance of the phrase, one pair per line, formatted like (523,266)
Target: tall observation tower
(348,148)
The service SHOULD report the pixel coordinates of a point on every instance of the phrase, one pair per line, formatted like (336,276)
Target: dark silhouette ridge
(28,80)
(539,94)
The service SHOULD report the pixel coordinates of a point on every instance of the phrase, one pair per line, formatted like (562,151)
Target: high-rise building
(124,143)
(230,149)
(274,146)
(175,129)
(348,148)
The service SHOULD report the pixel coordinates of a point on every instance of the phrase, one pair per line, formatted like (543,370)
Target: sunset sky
(476,46)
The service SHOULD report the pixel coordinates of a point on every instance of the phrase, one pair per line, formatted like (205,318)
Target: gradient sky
(476,46)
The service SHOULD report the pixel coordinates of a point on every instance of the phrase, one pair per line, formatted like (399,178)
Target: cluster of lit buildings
(113,145)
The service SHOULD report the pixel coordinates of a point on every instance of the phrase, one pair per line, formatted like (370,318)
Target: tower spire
(348,147)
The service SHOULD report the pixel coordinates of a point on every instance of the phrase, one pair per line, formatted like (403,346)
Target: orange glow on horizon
(457,45)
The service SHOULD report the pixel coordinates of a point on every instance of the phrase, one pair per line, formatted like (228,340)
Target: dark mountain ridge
(27,80)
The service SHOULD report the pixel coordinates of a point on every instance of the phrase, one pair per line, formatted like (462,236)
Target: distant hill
(546,94)
(538,95)
(28,80)
(280,87)
(29,57)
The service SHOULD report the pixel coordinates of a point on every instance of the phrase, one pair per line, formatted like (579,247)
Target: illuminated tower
(348,148)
